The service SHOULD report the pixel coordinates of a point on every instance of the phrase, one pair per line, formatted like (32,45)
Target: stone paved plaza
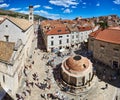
(38,81)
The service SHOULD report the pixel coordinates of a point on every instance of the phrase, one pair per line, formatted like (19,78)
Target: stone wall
(105,52)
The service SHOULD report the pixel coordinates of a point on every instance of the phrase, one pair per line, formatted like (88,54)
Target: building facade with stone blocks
(16,37)
(105,46)
(18,31)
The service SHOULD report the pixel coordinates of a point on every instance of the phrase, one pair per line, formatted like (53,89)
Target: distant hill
(20,15)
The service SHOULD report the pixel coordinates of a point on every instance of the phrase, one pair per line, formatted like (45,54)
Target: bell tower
(31,16)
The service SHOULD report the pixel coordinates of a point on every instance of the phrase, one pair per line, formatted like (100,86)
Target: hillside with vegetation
(20,15)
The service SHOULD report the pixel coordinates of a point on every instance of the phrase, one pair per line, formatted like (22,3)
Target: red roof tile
(109,35)
(94,34)
(58,30)
(84,28)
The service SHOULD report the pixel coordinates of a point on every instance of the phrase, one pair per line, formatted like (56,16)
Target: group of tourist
(52,69)
(25,92)
(46,84)
(53,96)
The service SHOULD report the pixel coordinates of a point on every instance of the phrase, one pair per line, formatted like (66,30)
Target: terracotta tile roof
(72,28)
(117,28)
(21,23)
(2,18)
(86,23)
(6,50)
(109,35)
(58,30)
(68,21)
(49,22)
(94,34)
(47,25)
(56,22)
(84,28)
(58,25)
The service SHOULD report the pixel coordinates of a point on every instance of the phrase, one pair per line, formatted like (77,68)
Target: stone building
(56,37)
(105,46)
(77,72)
(78,34)
(16,37)
(60,34)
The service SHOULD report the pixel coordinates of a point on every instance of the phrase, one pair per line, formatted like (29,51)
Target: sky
(64,9)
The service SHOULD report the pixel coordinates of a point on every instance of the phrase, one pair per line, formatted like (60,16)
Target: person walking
(106,86)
